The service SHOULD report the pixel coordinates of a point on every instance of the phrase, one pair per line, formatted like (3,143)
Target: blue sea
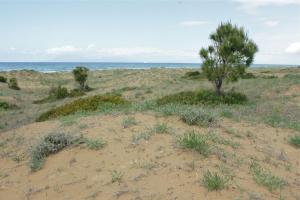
(68,66)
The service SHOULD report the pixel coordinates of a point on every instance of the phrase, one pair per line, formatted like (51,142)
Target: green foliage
(3,79)
(5,106)
(229,56)
(265,178)
(205,97)
(295,140)
(95,144)
(194,75)
(195,142)
(92,103)
(76,93)
(129,121)
(213,181)
(116,176)
(198,117)
(13,84)
(55,93)
(80,74)
(248,76)
(50,144)
(161,128)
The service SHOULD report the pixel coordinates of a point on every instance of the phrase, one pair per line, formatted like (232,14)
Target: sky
(142,30)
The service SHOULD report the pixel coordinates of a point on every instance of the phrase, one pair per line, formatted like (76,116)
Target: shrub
(213,181)
(80,105)
(76,93)
(198,117)
(265,178)
(248,75)
(5,106)
(160,128)
(195,142)
(13,84)
(203,97)
(50,144)
(129,121)
(193,75)
(3,79)
(295,141)
(58,92)
(80,74)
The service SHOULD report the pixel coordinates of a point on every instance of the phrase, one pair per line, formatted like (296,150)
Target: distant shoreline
(52,67)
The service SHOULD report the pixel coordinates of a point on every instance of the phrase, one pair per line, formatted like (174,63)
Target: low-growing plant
(160,128)
(265,178)
(92,103)
(76,93)
(5,105)
(116,176)
(193,75)
(213,181)
(128,121)
(205,97)
(144,135)
(295,140)
(198,117)
(48,145)
(95,144)
(13,84)
(248,75)
(195,141)
(3,79)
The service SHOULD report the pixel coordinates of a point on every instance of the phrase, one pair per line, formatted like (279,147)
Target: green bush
(92,103)
(5,106)
(195,142)
(198,117)
(295,141)
(76,93)
(248,76)
(3,79)
(13,84)
(193,75)
(95,144)
(48,145)
(55,93)
(213,181)
(80,74)
(205,97)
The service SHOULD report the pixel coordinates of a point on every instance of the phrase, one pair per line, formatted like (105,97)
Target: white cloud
(293,48)
(63,50)
(193,23)
(251,6)
(271,23)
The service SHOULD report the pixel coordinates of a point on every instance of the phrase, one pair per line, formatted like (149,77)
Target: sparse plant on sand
(295,140)
(229,55)
(198,117)
(213,181)
(129,121)
(116,176)
(95,144)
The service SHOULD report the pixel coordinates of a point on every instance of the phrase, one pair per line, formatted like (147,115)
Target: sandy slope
(153,169)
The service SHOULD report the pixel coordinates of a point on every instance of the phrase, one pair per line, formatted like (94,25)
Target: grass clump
(13,84)
(213,181)
(5,106)
(3,79)
(129,121)
(198,117)
(195,142)
(92,103)
(160,128)
(295,140)
(95,144)
(205,97)
(48,145)
(265,178)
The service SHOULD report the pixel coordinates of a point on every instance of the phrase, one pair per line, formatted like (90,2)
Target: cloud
(293,48)
(63,50)
(271,23)
(135,53)
(252,5)
(193,23)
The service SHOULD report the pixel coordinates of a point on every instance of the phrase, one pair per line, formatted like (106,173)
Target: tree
(80,74)
(229,55)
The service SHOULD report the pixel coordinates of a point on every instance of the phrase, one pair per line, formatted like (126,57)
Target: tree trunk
(82,86)
(218,84)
